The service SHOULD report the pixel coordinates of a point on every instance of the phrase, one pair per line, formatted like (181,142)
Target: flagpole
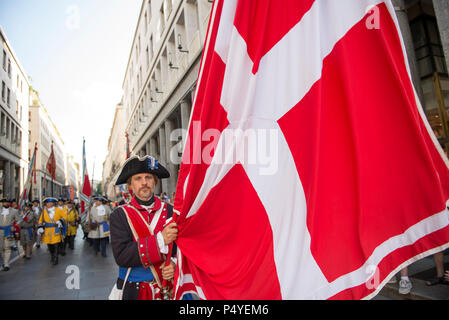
(93,172)
(51,173)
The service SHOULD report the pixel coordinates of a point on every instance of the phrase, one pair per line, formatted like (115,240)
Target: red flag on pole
(34,164)
(51,164)
(310,170)
(86,190)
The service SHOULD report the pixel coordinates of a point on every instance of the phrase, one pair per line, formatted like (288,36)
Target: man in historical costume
(8,216)
(63,208)
(50,227)
(37,213)
(73,221)
(16,229)
(99,225)
(141,232)
(27,223)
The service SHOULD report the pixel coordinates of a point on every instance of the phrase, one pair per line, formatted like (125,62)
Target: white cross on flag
(310,170)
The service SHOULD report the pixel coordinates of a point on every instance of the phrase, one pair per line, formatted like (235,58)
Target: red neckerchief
(148,215)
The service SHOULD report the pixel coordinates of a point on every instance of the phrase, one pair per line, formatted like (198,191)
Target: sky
(76,53)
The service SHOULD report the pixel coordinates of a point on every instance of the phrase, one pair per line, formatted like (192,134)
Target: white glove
(59,223)
(40,231)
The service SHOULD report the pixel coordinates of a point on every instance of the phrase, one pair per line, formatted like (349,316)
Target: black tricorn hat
(136,165)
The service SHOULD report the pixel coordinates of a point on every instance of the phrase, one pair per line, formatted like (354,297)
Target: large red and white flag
(310,170)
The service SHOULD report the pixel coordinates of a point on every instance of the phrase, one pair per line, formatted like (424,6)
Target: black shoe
(38,246)
(5,268)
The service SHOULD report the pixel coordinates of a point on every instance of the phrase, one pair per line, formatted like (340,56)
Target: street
(37,279)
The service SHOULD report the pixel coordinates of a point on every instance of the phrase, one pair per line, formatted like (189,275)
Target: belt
(52,225)
(30,231)
(137,274)
(129,284)
(7,230)
(105,225)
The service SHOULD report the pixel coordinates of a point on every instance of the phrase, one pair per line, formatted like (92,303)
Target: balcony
(11,147)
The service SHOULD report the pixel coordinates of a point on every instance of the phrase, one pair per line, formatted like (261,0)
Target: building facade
(14,104)
(72,184)
(116,154)
(160,79)
(44,133)
(164,61)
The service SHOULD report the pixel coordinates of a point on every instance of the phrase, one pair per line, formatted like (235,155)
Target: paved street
(37,279)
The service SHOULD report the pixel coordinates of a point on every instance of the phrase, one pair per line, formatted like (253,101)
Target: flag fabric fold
(86,190)
(51,164)
(310,170)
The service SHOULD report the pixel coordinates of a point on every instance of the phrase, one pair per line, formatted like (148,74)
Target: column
(163,156)
(404,24)
(7,180)
(442,14)
(185,117)
(153,152)
(12,183)
(147,148)
(153,147)
(185,113)
(171,167)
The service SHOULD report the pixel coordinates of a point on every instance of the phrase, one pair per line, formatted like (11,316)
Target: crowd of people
(54,223)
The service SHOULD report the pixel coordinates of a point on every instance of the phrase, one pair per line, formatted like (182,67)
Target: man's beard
(146,192)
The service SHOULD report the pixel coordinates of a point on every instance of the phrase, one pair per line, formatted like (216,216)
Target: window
(147,52)
(141,78)
(151,47)
(149,11)
(8,96)
(8,127)
(3,90)
(13,133)
(162,21)
(146,22)
(9,68)
(4,60)
(428,48)
(2,124)
(168,7)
